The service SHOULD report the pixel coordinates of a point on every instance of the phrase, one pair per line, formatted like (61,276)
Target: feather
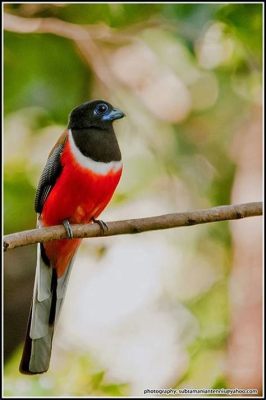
(50,174)
(48,295)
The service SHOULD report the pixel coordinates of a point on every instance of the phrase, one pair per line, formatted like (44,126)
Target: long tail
(47,301)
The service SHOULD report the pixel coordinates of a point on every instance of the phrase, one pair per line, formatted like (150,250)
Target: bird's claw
(68,229)
(101,224)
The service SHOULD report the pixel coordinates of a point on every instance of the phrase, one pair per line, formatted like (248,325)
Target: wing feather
(48,291)
(50,174)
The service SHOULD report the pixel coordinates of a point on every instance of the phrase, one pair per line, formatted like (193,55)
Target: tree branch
(84,36)
(167,221)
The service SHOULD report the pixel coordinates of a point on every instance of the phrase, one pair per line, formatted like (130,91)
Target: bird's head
(94,114)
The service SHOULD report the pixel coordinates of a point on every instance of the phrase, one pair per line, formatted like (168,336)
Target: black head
(92,130)
(94,114)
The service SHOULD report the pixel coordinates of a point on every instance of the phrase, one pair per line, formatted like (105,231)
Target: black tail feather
(54,298)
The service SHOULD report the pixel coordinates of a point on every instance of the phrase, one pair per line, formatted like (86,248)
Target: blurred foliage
(77,378)
(43,80)
(46,75)
(18,194)
(246,24)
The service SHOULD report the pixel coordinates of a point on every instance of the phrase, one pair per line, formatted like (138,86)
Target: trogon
(78,181)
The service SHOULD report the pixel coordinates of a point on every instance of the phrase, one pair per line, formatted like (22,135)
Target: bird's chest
(91,193)
(82,191)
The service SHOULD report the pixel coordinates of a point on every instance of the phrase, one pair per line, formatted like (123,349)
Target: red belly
(78,195)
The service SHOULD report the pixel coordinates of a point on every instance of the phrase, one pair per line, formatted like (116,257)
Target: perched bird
(78,181)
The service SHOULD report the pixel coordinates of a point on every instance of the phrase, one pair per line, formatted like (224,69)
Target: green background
(46,75)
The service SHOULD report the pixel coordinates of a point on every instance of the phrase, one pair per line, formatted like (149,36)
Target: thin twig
(139,225)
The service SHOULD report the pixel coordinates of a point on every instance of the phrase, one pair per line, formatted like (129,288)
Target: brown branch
(86,38)
(56,26)
(167,221)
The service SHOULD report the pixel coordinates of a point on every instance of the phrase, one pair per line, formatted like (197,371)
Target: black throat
(97,143)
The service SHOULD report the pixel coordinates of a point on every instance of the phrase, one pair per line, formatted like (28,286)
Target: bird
(80,176)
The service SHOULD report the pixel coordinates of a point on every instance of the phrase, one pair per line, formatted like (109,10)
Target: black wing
(49,176)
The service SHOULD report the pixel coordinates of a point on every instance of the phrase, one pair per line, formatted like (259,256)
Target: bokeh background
(178,308)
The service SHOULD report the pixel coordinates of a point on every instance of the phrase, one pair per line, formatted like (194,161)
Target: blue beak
(112,115)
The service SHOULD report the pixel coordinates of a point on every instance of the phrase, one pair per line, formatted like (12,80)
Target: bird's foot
(102,225)
(68,229)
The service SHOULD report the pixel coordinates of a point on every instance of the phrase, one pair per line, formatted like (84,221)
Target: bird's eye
(101,109)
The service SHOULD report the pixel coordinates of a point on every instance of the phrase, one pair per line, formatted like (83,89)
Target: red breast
(79,195)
